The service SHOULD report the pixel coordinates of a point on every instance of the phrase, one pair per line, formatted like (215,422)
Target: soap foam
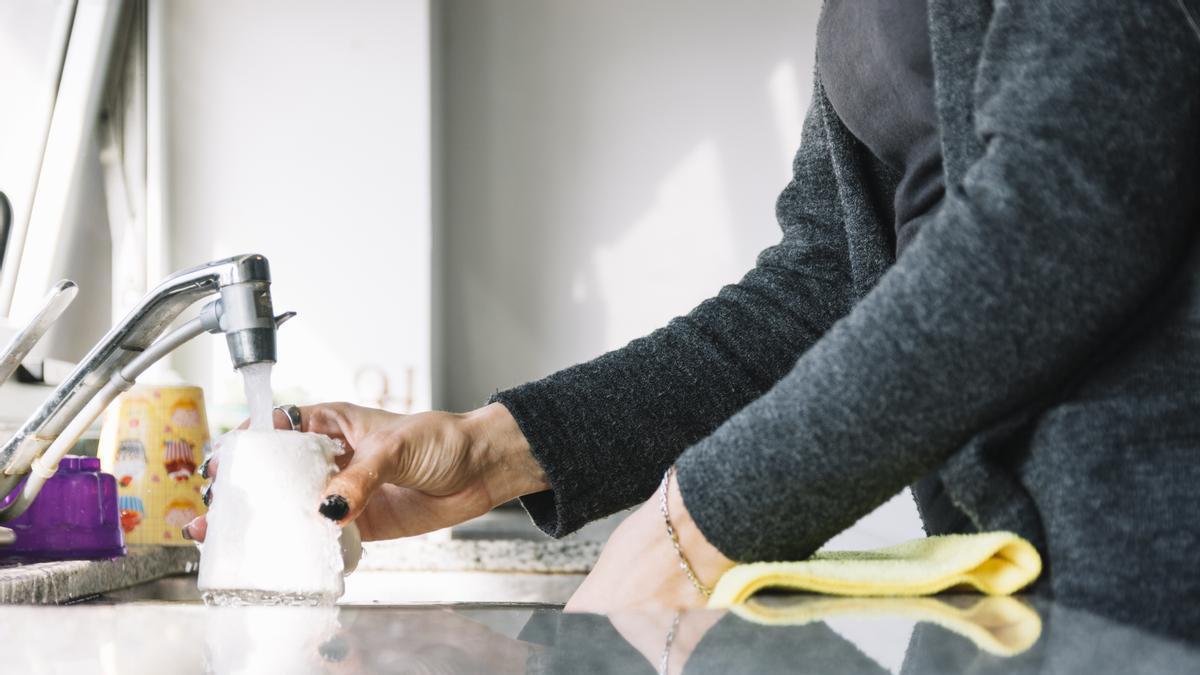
(266,543)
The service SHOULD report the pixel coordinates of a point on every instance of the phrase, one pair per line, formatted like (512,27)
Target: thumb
(349,490)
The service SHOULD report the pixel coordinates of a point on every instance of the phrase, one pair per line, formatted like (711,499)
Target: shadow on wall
(606,167)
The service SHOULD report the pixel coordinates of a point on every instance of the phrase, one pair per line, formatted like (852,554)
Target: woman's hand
(404,475)
(639,568)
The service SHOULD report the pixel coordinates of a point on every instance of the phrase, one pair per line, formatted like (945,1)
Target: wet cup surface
(266,542)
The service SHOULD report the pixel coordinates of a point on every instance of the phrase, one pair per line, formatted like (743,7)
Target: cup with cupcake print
(153,440)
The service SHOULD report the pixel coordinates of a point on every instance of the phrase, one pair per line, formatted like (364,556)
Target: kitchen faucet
(243,313)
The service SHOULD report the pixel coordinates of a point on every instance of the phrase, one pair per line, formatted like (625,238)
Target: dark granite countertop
(508,627)
(795,634)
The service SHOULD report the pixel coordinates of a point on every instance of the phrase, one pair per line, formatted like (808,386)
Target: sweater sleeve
(604,431)
(1080,207)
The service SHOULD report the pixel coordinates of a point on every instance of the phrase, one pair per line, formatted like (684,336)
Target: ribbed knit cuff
(535,414)
(718,528)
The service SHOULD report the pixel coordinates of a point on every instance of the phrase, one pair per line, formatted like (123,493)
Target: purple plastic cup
(74,517)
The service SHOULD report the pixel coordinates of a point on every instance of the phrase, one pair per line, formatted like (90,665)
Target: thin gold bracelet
(664,662)
(683,561)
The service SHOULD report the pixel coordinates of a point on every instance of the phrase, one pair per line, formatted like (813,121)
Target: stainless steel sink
(180,588)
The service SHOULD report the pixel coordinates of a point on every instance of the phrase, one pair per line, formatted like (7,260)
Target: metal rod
(56,302)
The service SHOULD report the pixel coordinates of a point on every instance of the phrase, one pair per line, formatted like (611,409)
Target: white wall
(608,165)
(299,129)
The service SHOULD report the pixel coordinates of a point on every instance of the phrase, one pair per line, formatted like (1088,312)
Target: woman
(984,287)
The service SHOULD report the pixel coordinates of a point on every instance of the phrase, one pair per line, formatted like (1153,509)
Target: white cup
(266,542)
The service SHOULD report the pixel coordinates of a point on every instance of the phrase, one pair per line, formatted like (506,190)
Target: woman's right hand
(404,475)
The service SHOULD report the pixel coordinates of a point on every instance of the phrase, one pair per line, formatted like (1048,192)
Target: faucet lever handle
(56,302)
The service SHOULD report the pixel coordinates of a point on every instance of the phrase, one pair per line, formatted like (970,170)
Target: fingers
(323,418)
(349,490)
(196,530)
(337,421)
(332,419)
(208,468)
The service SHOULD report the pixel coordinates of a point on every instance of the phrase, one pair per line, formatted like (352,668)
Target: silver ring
(292,413)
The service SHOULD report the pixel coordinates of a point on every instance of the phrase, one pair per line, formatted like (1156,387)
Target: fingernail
(335,649)
(335,507)
(204,468)
(183,532)
(206,496)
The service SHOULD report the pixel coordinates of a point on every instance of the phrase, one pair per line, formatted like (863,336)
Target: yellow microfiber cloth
(994,563)
(997,625)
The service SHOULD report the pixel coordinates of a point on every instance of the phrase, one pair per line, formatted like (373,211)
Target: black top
(1009,348)
(875,63)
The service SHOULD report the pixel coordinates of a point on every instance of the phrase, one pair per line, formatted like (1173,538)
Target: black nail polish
(335,650)
(335,507)
(204,468)
(207,495)
(185,534)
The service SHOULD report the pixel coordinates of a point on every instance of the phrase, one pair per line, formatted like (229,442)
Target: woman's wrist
(502,453)
(706,561)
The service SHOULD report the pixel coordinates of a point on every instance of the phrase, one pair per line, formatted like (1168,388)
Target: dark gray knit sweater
(1034,353)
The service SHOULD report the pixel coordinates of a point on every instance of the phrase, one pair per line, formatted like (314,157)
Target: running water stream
(256,379)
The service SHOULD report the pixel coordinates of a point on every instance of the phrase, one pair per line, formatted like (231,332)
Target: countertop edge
(56,583)
(481,555)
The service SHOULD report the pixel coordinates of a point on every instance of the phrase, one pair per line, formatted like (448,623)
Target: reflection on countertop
(786,633)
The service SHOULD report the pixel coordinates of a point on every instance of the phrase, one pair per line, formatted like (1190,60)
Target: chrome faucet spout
(245,315)
(243,312)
